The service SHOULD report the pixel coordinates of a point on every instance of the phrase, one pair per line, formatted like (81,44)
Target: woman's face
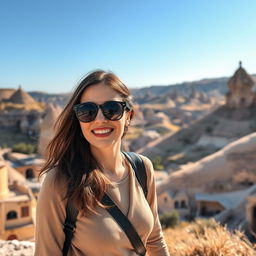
(102,133)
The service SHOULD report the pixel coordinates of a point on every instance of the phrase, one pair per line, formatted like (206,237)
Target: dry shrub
(207,239)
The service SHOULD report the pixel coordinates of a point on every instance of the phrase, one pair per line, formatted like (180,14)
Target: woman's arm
(50,216)
(156,245)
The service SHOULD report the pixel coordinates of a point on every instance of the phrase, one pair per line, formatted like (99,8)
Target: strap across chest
(71,213)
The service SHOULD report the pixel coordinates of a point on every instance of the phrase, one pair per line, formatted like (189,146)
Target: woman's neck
(110,159)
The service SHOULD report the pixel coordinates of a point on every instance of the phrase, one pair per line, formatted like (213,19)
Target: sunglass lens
(113,110)
(87,112)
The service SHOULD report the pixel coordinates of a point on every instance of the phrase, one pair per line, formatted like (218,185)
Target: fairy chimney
(241,94)
(22,97)
(47,126)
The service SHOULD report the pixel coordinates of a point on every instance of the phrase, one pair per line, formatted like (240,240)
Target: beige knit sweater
(100,235)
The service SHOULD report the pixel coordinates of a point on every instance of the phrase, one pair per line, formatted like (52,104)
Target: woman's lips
(102,132)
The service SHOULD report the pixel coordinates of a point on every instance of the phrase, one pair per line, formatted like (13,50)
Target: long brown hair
(70,154)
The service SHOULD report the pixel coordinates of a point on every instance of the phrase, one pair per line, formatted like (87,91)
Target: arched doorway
(30,174)
(204,211)
(11,215)
(12,237)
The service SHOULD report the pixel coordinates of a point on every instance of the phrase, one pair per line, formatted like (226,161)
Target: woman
(84,161)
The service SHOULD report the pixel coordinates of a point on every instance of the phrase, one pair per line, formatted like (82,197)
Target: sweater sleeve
(50,216)
(155,245)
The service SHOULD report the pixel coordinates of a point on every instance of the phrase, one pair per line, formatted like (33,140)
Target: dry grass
(211,239)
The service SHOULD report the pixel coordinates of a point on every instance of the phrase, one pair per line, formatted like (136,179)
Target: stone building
(171,200)
(16,208)
(27,165)
(241,89)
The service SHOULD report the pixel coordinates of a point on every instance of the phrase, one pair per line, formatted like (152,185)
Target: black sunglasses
(112,110)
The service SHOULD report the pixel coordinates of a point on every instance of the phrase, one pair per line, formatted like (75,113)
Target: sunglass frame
(125,106)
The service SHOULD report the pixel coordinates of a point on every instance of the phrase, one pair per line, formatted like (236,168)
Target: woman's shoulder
(148,166)
(147,162)
(53,181)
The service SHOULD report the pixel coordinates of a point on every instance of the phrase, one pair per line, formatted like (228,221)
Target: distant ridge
(206,85)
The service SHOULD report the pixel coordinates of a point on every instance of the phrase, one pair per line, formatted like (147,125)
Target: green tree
(169,220)
(157,163)
(25,148)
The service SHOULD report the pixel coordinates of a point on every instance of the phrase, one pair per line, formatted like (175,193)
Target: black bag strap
(71,213)
(69,226)
(139,169)
(125,224)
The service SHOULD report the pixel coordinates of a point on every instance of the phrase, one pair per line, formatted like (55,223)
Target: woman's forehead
(99,93)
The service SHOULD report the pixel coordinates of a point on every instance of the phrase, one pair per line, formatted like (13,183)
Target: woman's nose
(100,116)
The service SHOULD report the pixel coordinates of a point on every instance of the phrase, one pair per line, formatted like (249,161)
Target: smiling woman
(107,128)
(84,166)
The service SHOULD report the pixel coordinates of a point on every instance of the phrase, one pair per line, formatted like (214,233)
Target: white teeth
(102,131)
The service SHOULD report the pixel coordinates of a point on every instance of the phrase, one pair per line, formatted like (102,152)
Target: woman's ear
(128,118)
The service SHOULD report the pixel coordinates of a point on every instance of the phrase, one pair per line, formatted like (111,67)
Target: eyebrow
(102,102)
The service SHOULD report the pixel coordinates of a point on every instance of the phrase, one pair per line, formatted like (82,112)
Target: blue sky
(49,45)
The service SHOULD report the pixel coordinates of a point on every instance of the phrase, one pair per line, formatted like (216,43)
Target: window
(29,174)
(24,211)
(176,204)
(11,215)
(165,199)
(183,204)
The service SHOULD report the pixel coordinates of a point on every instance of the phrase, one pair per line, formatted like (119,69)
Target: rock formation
(223,125)
(19,113)
(21,97)
(47,127)
(5,94)
(241,92)
(217,172)
(145,138)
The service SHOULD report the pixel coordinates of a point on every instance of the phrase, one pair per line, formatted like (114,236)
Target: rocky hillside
(231,168)
(209,87)
(202,137)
